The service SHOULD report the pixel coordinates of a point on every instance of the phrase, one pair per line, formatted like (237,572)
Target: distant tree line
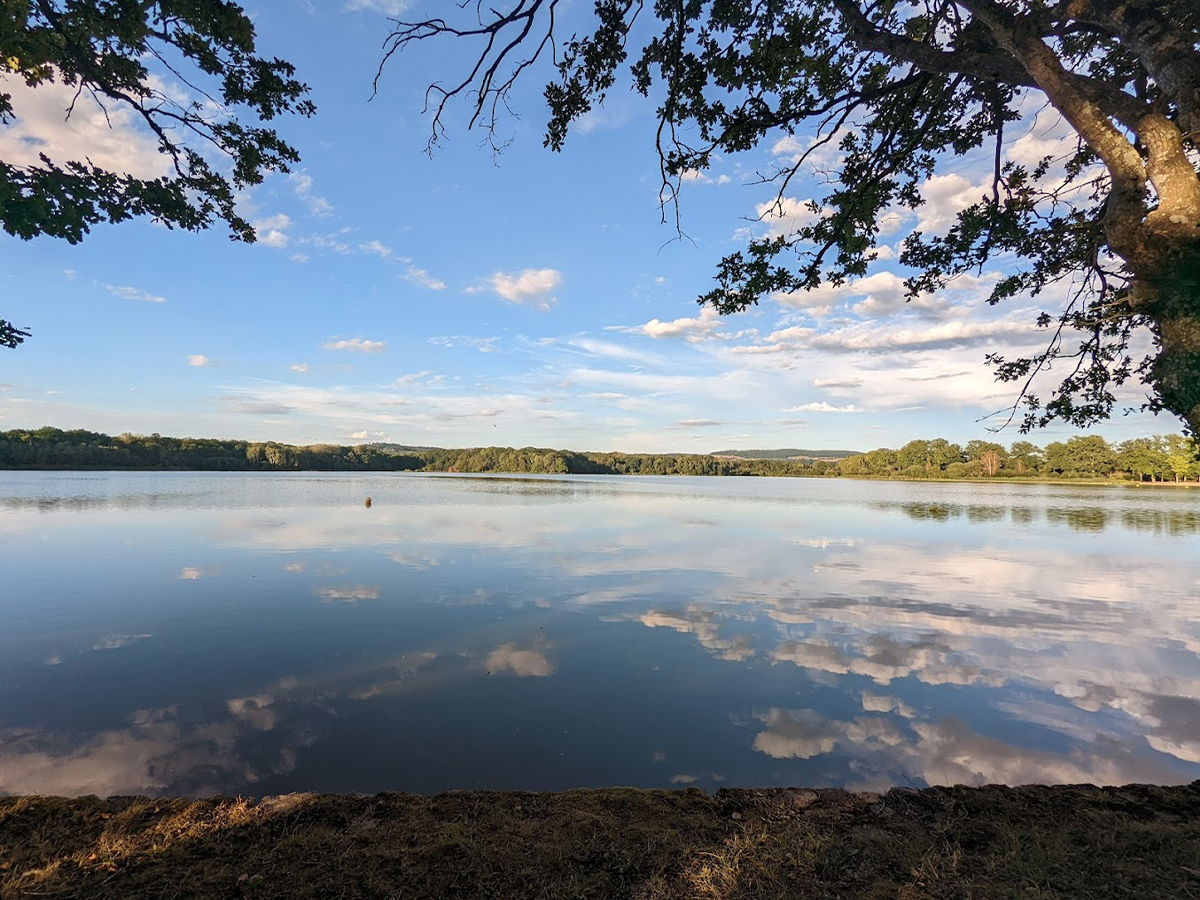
(52,448)
(1164,458)
(1170,458)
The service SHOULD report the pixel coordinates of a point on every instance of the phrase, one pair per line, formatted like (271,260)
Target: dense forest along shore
(1171,459)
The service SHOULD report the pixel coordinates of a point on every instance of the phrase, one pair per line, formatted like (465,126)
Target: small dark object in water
(368,503)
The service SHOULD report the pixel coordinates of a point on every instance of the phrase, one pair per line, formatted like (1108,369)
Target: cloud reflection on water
(949,640)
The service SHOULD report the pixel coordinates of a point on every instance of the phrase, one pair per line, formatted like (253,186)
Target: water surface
(254,633)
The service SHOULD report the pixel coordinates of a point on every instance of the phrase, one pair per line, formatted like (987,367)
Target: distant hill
(787,453)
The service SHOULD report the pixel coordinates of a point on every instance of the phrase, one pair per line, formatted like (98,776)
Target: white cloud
(117,641)
(125,292)
(303,186)
(837,382)
(113,140)
(785,215)
(949,334)
(272,231)
(482,344)
(69,274)
(530,287)
(421,277)
(945,196)
(690,329)
(349,594)
(699,176)
(386,7)
(524,663)
(302,368)
(379,249)
(356,345)
(199,360)
(823,407)
(413,377)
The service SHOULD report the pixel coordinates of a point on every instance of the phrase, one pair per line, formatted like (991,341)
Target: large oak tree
(899,88)
(185,69)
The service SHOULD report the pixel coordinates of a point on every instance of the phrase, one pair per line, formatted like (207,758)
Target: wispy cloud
(349,594)
(355,345)
(302,184)
(823,407)
(378,248)
(482,344)
(837,382)
(199,359)
(125,292)
(385,7)
(251,407)
(422,278)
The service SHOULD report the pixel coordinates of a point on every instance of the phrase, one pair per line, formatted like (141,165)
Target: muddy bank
(1135,841)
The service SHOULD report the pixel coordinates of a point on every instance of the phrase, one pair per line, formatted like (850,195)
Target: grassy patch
(1033,842)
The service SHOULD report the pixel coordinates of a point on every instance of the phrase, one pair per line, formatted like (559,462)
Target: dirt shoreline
(1063,841)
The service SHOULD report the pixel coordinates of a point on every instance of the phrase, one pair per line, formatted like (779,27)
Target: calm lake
(183,633)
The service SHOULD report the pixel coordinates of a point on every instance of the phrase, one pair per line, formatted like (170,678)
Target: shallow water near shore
(185,633)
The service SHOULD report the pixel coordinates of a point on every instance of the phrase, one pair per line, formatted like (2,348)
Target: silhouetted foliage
(110,53)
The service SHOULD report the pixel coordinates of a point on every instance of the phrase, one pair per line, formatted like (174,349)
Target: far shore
(1062,482)
(990,842)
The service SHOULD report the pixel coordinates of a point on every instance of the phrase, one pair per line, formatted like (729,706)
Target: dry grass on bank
(1033,842)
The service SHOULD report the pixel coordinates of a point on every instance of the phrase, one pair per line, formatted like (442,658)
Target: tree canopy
(185,69)
(899,89)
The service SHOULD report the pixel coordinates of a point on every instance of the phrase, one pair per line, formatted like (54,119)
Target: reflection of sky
(197,633)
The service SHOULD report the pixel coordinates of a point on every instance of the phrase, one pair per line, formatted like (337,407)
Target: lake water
(185,633)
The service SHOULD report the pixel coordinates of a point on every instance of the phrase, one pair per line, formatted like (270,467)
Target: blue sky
(459,300)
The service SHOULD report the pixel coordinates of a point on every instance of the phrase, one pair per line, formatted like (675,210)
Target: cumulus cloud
(302,368)
(522,662)
(272,231)
(200,360)
(355,345)
(112,140)
(529,287)
(945,196)
(949,334)
(690,329)
(785,215)
(705,625)
(125,292)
